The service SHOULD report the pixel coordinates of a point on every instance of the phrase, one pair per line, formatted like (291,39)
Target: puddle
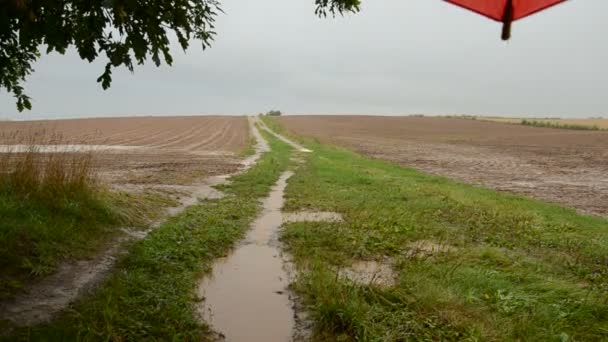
(312,216)
(246,297)
(370,272)
(64,148)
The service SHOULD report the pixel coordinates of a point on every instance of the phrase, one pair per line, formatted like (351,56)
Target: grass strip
(37,233)
(151,293)
(507,267)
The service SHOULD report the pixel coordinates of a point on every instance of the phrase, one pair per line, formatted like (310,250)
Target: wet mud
(312,216)
(370,272)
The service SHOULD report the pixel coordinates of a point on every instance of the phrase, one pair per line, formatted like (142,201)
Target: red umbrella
(505,11)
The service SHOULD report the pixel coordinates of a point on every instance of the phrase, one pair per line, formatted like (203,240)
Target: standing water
(246,296)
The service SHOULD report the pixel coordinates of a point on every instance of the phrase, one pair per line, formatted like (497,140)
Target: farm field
(145,150)
(564,166)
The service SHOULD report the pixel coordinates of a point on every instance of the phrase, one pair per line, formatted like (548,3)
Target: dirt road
(564,166)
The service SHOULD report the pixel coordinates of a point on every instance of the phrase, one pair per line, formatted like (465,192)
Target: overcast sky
(394,57)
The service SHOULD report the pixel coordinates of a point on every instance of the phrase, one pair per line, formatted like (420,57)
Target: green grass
(53,209)
(518,269)
(151,292)
(36,235)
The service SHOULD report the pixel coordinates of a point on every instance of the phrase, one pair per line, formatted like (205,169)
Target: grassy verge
(35,235)
(52,208)
(505,267)
(151,293)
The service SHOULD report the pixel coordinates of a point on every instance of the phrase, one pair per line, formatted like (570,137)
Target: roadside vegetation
(557,124)
(53,208)
(274,112)
(151,294)
(468,262)
(589,124)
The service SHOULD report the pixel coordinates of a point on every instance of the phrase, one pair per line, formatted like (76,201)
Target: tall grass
(36,165)
(51,206)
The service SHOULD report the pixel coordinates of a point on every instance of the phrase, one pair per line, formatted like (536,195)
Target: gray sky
(395,57)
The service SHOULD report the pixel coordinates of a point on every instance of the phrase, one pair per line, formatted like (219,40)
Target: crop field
(163,150)
(563,166)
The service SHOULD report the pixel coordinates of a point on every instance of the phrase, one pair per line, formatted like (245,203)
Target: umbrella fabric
(505,11)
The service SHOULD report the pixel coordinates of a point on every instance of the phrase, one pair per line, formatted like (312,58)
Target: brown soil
(563,166)
(168,150)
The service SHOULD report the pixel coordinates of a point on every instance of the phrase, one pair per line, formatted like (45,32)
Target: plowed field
(564,166)
(171,150)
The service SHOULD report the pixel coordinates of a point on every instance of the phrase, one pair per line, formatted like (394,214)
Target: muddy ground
(563,166)
(146,150)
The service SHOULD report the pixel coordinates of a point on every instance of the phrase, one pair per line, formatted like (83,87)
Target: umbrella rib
(507,20)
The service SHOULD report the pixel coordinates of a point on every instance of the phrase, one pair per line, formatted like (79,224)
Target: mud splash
(370,272)
(424,248)
(312,216)
(246,297)
(45,298)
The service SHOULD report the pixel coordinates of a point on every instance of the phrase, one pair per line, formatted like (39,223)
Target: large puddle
(246,297)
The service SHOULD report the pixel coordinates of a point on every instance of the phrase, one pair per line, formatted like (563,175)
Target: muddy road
(568,167)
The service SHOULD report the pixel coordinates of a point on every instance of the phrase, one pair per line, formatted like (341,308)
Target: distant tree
(125,31)
(274,113)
